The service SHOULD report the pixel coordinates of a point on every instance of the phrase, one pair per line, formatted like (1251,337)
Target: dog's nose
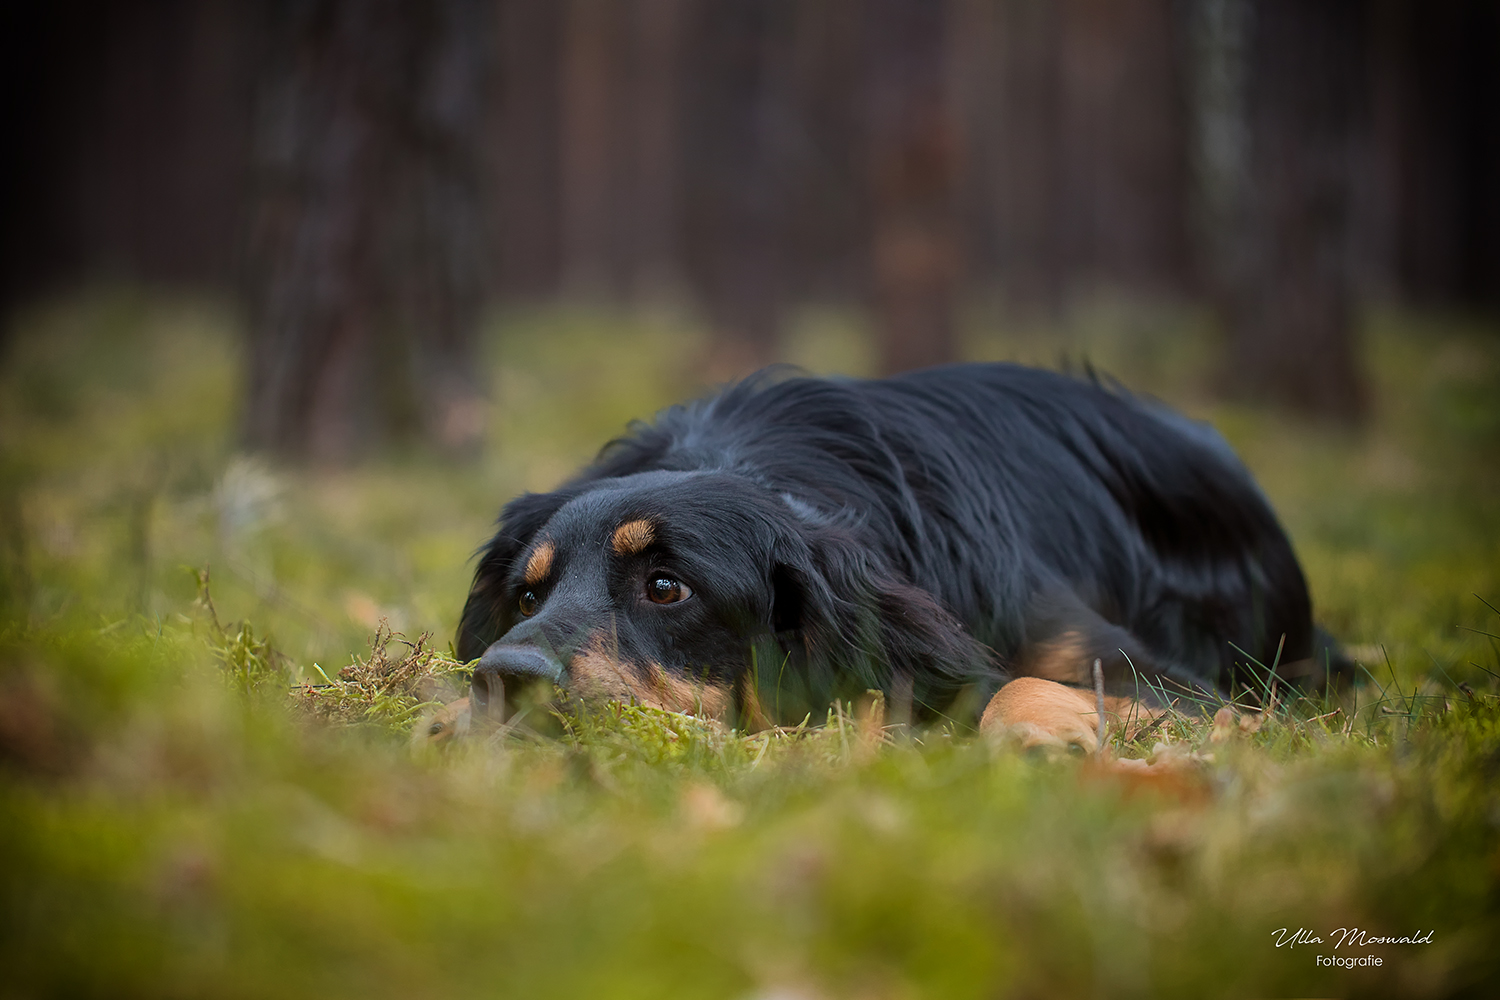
(503,672)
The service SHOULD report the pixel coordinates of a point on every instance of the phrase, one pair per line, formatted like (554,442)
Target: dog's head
(704,592)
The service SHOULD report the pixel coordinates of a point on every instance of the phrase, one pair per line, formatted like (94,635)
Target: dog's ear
(859,620)
(484,616)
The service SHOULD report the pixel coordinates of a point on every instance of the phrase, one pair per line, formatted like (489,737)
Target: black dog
(933,535)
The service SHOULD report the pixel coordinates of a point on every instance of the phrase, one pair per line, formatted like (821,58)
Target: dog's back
(1000,489)
(932,533)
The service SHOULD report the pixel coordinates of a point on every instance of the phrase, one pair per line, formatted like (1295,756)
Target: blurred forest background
(306,289)
(297,292)
(366,179)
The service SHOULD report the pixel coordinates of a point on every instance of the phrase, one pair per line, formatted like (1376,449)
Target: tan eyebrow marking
(540,563)
(633,537)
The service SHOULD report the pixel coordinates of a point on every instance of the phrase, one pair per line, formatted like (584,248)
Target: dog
(968,540)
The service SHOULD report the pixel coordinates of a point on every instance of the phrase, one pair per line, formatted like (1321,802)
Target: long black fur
(932,529)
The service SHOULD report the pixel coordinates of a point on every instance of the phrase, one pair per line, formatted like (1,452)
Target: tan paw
(443,726)
(1033,713)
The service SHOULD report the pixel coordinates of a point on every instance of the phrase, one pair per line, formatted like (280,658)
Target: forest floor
(178,817)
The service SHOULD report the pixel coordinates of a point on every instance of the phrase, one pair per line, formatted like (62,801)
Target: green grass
(223,801)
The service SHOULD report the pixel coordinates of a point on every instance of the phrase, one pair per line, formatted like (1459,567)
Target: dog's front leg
(1034,713)
(1054,704)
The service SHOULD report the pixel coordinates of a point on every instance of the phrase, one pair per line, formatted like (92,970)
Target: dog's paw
(443,726)
(1039,715)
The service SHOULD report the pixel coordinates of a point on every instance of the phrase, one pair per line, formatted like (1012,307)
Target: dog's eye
(665,590)
(528,603)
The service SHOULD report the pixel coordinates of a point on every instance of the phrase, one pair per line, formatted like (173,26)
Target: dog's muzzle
(503,672)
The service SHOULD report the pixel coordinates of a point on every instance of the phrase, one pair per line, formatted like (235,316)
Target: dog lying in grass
(963,538)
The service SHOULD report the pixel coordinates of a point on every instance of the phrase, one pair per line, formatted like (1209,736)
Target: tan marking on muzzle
(597,672)
(680,694)
(632,537)
(540,563)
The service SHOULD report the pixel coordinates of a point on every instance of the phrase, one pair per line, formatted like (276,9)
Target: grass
(209,791)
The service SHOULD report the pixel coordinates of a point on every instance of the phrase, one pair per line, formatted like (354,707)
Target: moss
(195,808)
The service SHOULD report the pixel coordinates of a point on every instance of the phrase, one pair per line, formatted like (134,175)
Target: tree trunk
(913,167)
(368,250)
(1284,249)
(591,72)
(737,116)
(527,179)
(1438,71)
(656,38)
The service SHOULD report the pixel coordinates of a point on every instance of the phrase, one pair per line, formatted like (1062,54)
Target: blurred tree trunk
(738,114)
(368,251)
(1218,36)
(913,161)
(619,76)
(133,119)
(1029,175)
(1438,97)
(1278,104)
(1122,214)
(527,182)
(591,76)
(656,36)
(825,220)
